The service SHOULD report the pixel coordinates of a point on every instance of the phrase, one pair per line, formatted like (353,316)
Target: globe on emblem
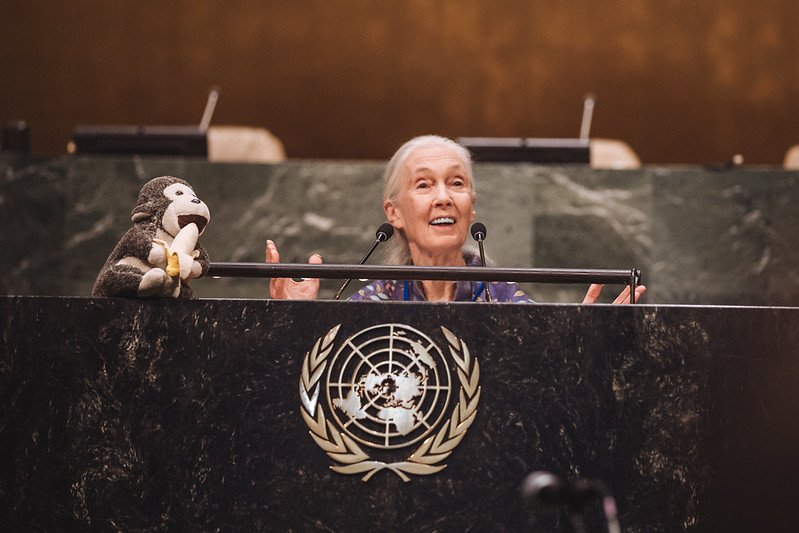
(388,386)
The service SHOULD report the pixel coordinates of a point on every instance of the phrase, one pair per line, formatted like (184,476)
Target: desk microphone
(479,234)
(384,233)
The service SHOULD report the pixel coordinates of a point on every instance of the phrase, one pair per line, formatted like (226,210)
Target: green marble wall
(709,237)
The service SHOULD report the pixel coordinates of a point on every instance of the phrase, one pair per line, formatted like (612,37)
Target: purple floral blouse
(465,291)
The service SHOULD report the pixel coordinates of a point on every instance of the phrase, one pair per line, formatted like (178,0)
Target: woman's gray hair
(397,251)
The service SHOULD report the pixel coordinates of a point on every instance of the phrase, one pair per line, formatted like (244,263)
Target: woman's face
(435,206)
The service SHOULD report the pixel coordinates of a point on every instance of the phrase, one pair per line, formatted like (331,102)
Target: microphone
(210,105)
(544,491)
(588,113)
(479,234)
(383,233)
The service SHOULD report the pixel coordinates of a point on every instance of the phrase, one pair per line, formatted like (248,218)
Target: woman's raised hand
(594,290)
(287,288)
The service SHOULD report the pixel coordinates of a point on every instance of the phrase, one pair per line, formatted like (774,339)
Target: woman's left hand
(624,298)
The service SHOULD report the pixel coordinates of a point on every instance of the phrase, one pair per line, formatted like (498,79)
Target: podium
(165,414)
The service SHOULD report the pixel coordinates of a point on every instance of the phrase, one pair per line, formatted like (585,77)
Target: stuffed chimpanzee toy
(160,253)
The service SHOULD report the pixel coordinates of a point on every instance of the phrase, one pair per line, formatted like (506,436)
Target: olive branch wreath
(342,448)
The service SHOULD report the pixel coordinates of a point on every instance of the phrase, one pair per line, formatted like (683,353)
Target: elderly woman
(429,199)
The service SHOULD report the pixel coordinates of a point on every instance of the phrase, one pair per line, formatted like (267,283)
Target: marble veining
(131,414)
(699,236)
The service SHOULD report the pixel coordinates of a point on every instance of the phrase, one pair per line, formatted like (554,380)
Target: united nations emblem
(387,388)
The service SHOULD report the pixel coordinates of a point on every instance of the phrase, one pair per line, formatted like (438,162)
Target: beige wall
(681,81)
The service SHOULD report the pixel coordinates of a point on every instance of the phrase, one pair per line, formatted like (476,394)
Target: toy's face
(184,208)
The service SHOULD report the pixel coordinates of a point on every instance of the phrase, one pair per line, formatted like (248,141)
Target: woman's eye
(421,185)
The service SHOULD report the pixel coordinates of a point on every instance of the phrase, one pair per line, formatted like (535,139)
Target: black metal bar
(530,275)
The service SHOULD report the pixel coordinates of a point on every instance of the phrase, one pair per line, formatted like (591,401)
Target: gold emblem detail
(380,384)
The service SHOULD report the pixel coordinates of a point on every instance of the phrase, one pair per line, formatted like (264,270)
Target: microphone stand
(378,240)
(384,233)
(483,262)
(479,234)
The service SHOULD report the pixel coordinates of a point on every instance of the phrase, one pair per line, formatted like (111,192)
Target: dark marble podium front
(124,414)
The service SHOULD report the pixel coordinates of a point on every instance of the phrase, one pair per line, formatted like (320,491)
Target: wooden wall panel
(681,81)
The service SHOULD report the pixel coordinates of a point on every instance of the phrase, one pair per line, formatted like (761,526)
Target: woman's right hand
(287,288)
